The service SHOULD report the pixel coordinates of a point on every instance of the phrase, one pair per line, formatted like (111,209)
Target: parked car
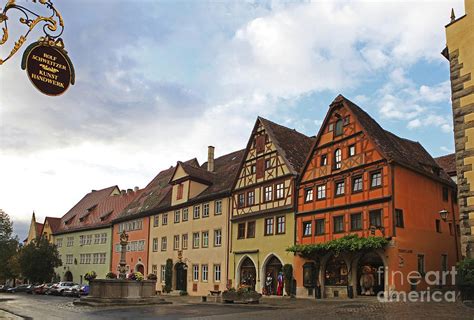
(41,289)
(21,288)
(58,288)
(76,291)
(4,287)
(49,287)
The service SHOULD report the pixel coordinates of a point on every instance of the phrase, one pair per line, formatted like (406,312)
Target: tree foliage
(38,260)
(168,274)
(8,249)
(349,243)
(465,272)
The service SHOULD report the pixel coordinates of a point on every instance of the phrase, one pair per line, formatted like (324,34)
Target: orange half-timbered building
(361,179)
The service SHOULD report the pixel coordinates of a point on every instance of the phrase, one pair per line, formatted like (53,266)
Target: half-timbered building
(263,204)
(361,179)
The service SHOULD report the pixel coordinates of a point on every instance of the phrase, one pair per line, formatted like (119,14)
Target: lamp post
(444,216)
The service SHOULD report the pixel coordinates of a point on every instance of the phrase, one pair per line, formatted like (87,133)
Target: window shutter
(260,143)
(260,168)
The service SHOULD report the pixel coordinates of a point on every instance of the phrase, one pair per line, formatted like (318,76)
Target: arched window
(337,159)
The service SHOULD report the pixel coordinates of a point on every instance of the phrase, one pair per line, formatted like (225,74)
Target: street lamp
(444,215)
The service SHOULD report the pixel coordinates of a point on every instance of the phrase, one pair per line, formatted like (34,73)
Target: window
(69,259)
(375,179)
(307,226)
(351,150)
(102,257)
(250,198)
(154,269)
(184,241)
(324,160)
(357,184)
(164,243)
(375,217)
(438,225)
(346,120)
(268,226)
(267,164)
(196,240)
(319,227)
(260,168)
(260,143)
(444,262)
(196,212)
(204,272)
(59,242)
(399,223)
(97,238)
(268,190)
(338,130)
(164,219)
(241,200)
(331,127)
(205,210)
(89,239)
(356,221)
(339,188)
(217,237)
(321,192)
(421,264)
(82,240)
(280,225)
(205,239)
(251,229)
(308,194)
(70,241)
(163,273)
(95,258)
(337,159)
(218,207)
(338,224)
(217,273)
(241,231)
(155,244)
(156,221)
(176,242)
(195,272)
(177,216)
(445,194)
(253,168)
(179,194)
(279,190)
(87,258)
(185,214)
(103,238)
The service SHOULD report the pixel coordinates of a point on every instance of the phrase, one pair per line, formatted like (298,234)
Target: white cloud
(431,120)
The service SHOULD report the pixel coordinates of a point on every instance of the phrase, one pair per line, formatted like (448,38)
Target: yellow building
(34,231)
(460,53)
(192,227)
(263,205)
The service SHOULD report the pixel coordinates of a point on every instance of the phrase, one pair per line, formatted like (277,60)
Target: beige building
(460,53)
(264,204)
(192,229)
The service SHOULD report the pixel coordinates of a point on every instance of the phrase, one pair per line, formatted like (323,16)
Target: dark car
(4,288)
(21,288)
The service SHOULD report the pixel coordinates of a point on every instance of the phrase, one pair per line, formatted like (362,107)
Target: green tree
(38,259)
(168,275)
(8,249)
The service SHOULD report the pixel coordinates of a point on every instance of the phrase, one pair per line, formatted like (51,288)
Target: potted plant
(111,275)
(91,275)
(137,276)
(244,294)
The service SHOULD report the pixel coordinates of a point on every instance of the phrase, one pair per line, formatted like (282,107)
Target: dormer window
(337,159)
(179,194)
(338,130)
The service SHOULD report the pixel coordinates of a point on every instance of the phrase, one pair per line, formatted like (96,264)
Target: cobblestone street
(24,306)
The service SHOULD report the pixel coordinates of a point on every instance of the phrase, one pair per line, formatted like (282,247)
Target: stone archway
(271,268)
(247,273)
(68,276)
(370,268)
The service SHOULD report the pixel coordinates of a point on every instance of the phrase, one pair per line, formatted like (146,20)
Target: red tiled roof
(102,207)
(448,163)
(54,223)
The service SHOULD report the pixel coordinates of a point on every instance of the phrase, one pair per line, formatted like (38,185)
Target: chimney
(135,189)
(210,158)
(129,191)
(123,192)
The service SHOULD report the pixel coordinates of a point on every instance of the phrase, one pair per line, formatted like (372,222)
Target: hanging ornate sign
(46,62)
(48,66)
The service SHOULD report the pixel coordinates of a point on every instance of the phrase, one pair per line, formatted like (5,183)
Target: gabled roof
(97,208)
(448,163)
(39,229)
(292,145)
(399,150)
(196,172)
(54,223)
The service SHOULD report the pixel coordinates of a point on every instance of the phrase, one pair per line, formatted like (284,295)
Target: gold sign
(48,66)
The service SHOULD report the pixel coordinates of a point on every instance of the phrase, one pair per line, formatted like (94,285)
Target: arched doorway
(272,268)
(370,274)
(181,271)
(68,276)
(248,273)
(140,268)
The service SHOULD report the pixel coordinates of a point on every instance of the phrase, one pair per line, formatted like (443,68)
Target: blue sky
(159,81)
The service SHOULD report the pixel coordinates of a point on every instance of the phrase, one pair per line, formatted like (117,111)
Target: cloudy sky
(158,82)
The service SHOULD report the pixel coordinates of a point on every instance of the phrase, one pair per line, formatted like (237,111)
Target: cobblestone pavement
(48,307)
